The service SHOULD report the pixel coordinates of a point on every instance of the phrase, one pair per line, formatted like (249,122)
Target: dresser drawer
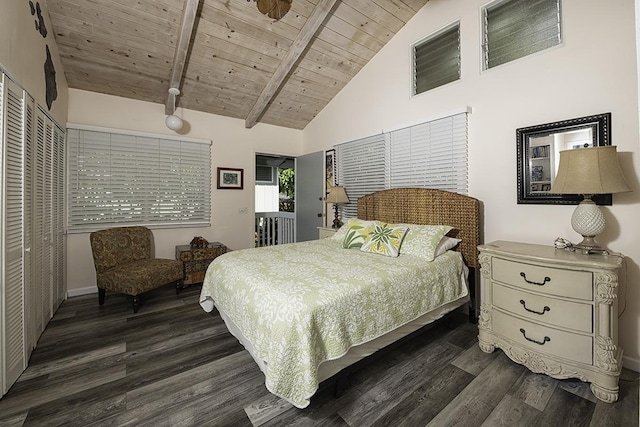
(541,308)
(542,339)
(548,280)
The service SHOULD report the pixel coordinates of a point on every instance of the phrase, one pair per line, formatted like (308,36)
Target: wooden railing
(275,228)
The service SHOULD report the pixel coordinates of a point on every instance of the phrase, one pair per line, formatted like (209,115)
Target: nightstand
(324,232)
(196,260)
(553,311)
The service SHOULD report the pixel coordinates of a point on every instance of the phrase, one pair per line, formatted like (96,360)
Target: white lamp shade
(173,122)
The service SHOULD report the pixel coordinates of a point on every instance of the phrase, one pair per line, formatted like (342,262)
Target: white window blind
(517,28)
(436,60)
(362,169)
(432,154)
(429,155)
(130,179)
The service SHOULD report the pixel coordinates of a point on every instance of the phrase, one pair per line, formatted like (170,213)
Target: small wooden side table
(324,232)
(197,259)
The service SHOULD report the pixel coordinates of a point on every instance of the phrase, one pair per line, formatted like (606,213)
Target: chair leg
(101,293)
(136,303)
(179,286)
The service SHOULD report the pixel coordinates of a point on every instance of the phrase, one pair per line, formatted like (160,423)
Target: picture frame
(230,179)
(330,169)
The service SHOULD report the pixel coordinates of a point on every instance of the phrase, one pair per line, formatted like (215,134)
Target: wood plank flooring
(172,364)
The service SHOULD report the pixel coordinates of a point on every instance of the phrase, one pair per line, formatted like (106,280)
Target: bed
(306,311)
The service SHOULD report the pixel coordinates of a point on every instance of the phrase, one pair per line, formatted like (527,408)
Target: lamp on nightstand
(589,171)
(337,195)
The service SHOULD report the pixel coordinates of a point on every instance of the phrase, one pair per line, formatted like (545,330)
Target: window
(517,28)
(430,155)
(436,60)
(136,179)
(362,169)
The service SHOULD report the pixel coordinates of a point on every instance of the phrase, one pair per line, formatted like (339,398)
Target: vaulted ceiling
(236,62)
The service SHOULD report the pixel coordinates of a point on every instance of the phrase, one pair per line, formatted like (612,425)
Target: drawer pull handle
(524,334)
(524,304)
(524,276)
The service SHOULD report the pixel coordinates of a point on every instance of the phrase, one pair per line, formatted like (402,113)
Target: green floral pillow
(385,239)
(357,233)
(422,240)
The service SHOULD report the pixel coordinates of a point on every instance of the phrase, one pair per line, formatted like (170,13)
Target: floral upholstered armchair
(124,263)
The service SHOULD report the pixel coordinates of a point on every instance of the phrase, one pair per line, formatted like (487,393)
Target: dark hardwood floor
(172,364)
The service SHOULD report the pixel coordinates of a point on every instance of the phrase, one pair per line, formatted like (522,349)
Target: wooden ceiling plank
(246,43)
(104,17)
(399,8)
(336,39)
(326,48)
(362,22)
(79,46)
(213,47)
(376,13)
(415,5)
(355,35)
(151,71)
(182,48)
(309,29)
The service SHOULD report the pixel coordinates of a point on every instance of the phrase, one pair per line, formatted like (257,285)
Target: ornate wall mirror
(538,156)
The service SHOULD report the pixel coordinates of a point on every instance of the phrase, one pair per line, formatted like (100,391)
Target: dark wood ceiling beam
(182,47)
(298,46)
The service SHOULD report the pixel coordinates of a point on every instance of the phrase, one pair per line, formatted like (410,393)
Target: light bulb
(173,122)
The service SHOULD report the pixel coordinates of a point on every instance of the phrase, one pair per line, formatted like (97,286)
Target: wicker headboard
(428,206)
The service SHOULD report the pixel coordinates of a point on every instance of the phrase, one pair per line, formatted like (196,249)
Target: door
(309,195)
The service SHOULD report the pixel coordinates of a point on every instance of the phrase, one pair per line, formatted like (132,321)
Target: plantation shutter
(517,28)
(12,128)
(362,169)
(431,155)
(126,179)
(436,61)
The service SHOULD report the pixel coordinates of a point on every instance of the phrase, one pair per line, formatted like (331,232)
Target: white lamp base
(588,221)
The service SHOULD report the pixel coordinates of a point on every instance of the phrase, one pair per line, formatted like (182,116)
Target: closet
(32,239)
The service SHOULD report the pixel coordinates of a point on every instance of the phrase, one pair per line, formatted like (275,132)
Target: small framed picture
(230,178)
(330,169)
(546,187)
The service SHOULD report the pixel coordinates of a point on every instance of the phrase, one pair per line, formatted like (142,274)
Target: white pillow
(445,244)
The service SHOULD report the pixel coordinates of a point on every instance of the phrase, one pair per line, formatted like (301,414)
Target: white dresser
(554,311)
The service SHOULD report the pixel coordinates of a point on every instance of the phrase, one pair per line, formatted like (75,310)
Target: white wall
(23,54)
(594,71)
(234,146)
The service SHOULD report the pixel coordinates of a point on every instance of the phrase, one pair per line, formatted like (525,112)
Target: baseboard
(82,291)
(630,363)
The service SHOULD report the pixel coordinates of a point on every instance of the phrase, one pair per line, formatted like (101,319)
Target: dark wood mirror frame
(600,126)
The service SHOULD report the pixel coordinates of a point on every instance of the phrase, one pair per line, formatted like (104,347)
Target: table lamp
(337,195)
(589,171)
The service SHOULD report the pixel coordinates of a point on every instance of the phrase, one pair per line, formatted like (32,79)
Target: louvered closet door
(33,317)
(37,227)
(43,211)
(57,207)
(13,320)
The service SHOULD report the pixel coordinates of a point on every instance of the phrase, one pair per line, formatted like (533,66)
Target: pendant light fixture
(172,121)
(274,9)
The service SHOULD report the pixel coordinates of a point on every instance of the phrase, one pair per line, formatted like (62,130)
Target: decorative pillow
(357,233)
(445,244)
(341,232)
(422,240)
(385,239)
